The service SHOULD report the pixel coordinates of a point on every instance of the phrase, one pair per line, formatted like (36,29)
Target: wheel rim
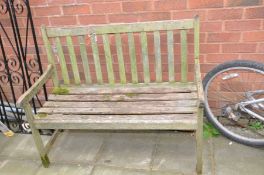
(228,130)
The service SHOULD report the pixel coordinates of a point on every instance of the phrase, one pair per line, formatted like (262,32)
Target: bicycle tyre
(209,115)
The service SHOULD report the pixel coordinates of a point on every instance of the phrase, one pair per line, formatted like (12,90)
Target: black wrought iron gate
(18,68)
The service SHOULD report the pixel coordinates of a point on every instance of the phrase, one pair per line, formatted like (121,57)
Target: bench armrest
(33,90)
(199,84)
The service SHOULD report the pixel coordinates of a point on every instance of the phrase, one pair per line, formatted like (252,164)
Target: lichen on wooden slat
(60,91)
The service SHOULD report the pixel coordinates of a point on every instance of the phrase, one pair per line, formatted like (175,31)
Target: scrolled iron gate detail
(18,69)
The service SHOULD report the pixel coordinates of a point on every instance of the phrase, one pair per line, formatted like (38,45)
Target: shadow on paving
(114,153)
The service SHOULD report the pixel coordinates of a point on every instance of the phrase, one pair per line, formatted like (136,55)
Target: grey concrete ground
(93,153)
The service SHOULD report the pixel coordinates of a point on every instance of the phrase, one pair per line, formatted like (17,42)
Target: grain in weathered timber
(96,58)
(64,70)
(124,97)
(168,121)
(158,67)
(84,57)
(170,46)
(121,28)
(145,60)
(132,55)
(147,89)
(178,103)
(74,64)
(108,57)
(121,65)
(125,110)
(184,63)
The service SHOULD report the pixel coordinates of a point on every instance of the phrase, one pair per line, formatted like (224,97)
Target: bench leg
(36,136)
(199,142)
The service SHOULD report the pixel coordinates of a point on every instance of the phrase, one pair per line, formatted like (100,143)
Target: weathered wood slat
(74,64)
(158,66)
(50,55)
(184,64)
(121,28)
(121,65)
(97,63)
(134,122)
(108,57)
(144,50)
(124,97)
(170,55)
(196,32)
(126,110)
(179,103)
(132,55)
(84,59)
(147,89)
(64,70)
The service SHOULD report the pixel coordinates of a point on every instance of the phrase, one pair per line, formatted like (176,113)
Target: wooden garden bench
(98,86)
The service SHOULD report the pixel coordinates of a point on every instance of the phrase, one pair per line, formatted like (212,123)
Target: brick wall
(230,29)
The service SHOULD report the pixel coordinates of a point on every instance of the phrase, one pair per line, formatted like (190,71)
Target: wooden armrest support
(33,90)
(199,84)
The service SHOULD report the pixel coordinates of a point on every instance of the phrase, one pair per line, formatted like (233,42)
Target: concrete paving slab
(237,159)
(21,146)
(128,150)
(19,167)
(76,147)
(105,170)
(65,169)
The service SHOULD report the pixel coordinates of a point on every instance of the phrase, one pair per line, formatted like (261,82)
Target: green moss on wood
(45,161)
(60,91)
(41,115)
(130,95)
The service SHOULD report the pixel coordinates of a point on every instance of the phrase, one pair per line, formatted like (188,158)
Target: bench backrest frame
(117,29)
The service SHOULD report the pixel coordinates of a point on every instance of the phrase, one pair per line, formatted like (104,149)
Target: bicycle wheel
(227,87)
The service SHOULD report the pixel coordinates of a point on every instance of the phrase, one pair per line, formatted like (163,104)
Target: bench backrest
(123,53)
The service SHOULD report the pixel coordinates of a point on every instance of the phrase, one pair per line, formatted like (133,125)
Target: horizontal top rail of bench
(121,28)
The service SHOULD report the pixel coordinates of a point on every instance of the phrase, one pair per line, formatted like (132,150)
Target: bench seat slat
(124,97)
(178,103)
(147,89)
(134,122)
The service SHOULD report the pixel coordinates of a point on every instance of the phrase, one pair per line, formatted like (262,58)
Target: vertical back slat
(184,64)
(132,54)
(64,70)
(74,64)
(144,50)
(196,37)
(108,57)
(96,60)
(158,67)
(50,56)
(84,59)
(121,65)
(170,55)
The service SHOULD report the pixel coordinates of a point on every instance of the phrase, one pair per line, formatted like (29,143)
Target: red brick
(154,16)
(182,14)
(243,25)
(60,2)
(209,48)
(194,4)
(118,18)
(253,36)
(239,48)
(223,37)
(220,58)
(47,11)
(257,57)
(211,26)
(260,48)
(92,19)
(163,5)
(76,9)
(39,21)
(225,14)
(137,6)
(109,7)
(233,3)
(63,20)
(37,3)
(256,12)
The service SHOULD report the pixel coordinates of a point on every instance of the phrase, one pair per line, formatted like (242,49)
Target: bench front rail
(127,97)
